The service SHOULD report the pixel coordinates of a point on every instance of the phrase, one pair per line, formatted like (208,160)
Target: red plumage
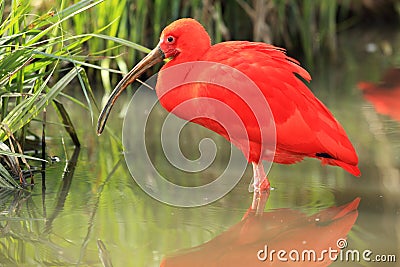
(304,126)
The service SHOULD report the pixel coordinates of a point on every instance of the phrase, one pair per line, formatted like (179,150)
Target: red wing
(305,127)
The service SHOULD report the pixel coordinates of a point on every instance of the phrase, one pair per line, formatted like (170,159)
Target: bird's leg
(260,178)
(261,188)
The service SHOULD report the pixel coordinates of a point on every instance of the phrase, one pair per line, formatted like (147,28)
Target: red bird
(304,126)
(385,95)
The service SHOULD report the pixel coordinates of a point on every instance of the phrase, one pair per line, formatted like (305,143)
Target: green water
(92,209)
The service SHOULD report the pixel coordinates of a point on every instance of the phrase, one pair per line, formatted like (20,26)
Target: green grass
(307,26)
(39,58)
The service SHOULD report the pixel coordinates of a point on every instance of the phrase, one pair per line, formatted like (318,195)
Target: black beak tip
(100,128)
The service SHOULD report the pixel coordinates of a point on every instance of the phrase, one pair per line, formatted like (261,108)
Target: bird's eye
(170,39)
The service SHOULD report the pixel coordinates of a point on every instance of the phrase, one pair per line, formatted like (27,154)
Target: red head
(185,37)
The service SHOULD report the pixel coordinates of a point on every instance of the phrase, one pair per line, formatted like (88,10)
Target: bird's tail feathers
(353,169)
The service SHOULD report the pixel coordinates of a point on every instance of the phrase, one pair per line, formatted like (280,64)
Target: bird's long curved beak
(155,56)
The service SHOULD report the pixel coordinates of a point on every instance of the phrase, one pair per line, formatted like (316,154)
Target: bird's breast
(219,99)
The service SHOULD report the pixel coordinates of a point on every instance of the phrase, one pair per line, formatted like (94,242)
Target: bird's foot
(261,188)
(265,185)
(262,184)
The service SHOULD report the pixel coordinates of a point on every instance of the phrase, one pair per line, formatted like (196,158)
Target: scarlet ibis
(304,126)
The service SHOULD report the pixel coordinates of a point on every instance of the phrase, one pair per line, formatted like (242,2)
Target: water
(92,211)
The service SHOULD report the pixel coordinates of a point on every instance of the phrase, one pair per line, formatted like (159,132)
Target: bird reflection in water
(257,238)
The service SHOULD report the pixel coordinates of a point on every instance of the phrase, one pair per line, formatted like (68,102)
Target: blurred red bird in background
(384,95)
(304,126)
